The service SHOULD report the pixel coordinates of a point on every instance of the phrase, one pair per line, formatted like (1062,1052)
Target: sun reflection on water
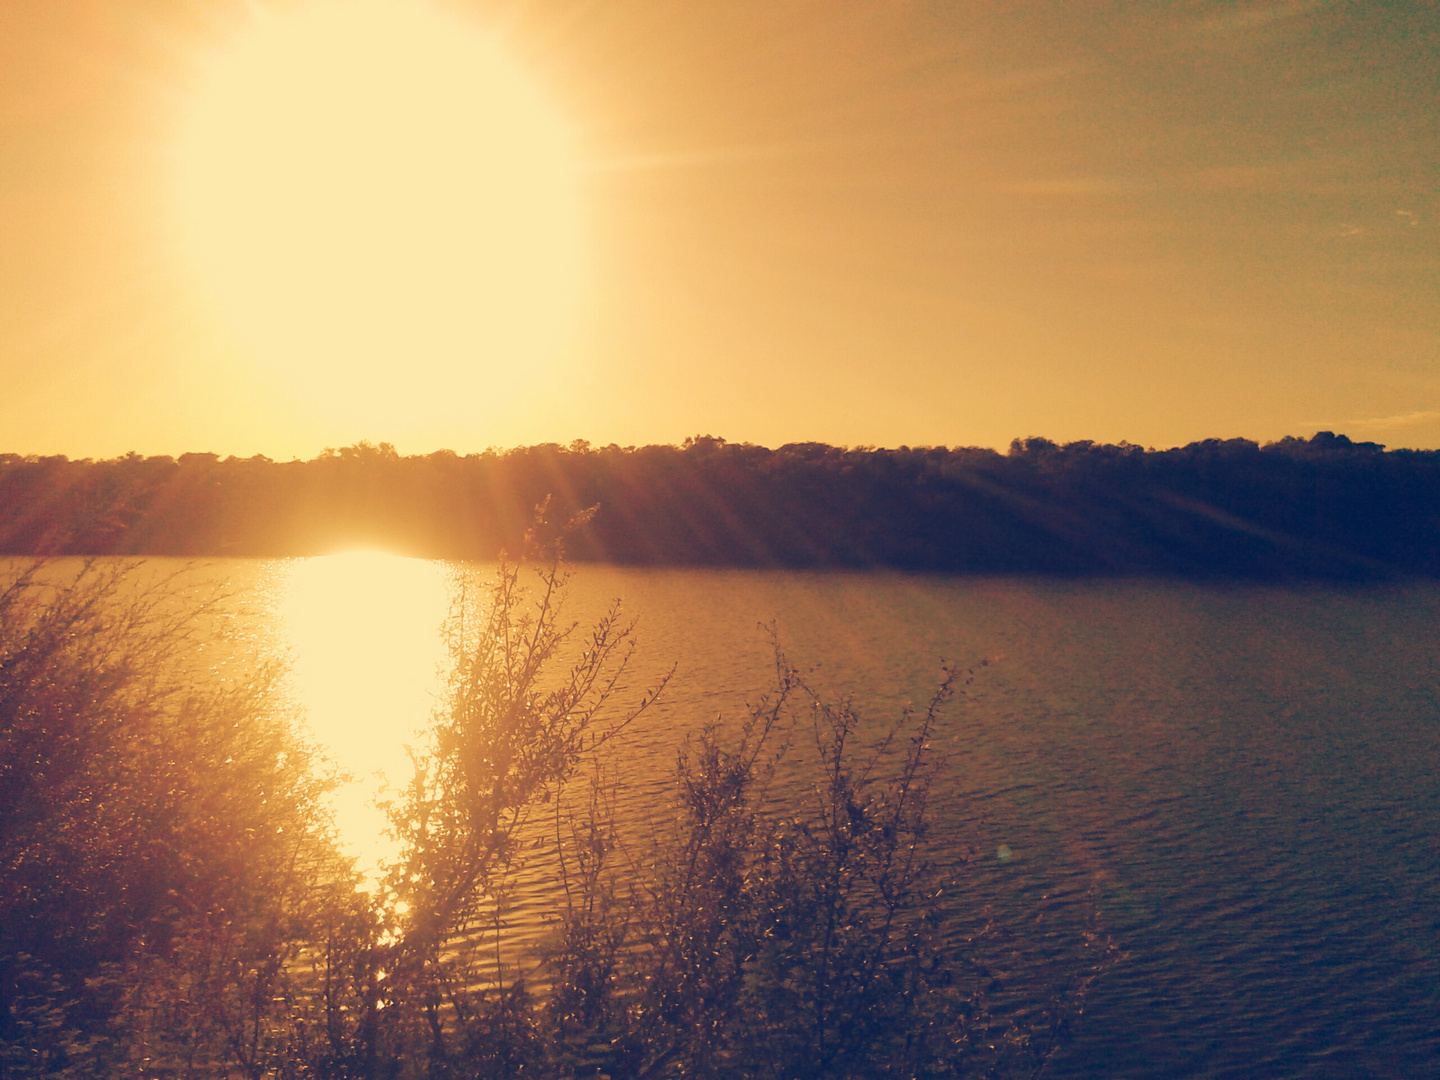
(367,646)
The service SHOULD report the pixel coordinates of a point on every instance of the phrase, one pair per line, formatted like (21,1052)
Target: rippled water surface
(1233,789)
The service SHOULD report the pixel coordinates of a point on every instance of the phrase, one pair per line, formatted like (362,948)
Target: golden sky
(268,226)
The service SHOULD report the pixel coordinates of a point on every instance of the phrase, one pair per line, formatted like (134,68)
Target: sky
(271,226)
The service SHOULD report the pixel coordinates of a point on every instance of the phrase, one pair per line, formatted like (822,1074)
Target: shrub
(172,904)
(510,734)
(778,938)
(159,839)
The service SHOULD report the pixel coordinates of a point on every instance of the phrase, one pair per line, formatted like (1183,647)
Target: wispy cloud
(703,157)
(1076,185)
(1255,16)
(1028,78)
(1312,175)
(1410,419)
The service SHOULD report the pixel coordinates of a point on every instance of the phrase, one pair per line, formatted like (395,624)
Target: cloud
(1253,17)
(701,158)
(1322,175)
(1076,185)
(1410,419)
(1029,78)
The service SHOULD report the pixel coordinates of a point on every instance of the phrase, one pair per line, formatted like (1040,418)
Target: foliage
(158,838)
(776,938)
(511,734)
(171,903)
(1320,507)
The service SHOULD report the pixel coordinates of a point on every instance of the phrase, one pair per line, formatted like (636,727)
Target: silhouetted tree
(1325,506)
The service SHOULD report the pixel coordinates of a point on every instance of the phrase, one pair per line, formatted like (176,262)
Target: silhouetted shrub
(159,835)
(171,903)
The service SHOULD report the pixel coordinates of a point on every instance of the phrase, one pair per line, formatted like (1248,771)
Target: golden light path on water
(365,630)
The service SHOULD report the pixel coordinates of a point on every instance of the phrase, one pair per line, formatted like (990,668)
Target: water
(1229,791)
(1234,785)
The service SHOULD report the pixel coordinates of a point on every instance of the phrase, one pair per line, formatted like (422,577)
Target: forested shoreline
(1319,507)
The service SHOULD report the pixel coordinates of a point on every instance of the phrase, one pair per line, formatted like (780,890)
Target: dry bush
(160,839)
(171,903)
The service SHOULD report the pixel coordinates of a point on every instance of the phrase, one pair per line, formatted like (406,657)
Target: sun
(379,205)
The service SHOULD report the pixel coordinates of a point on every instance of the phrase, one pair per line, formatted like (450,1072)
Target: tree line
(1324,506)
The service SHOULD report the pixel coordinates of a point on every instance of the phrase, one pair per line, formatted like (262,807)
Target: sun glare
(380,205)
(367,650)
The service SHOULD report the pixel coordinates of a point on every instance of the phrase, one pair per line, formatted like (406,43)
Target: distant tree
(1320,507)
